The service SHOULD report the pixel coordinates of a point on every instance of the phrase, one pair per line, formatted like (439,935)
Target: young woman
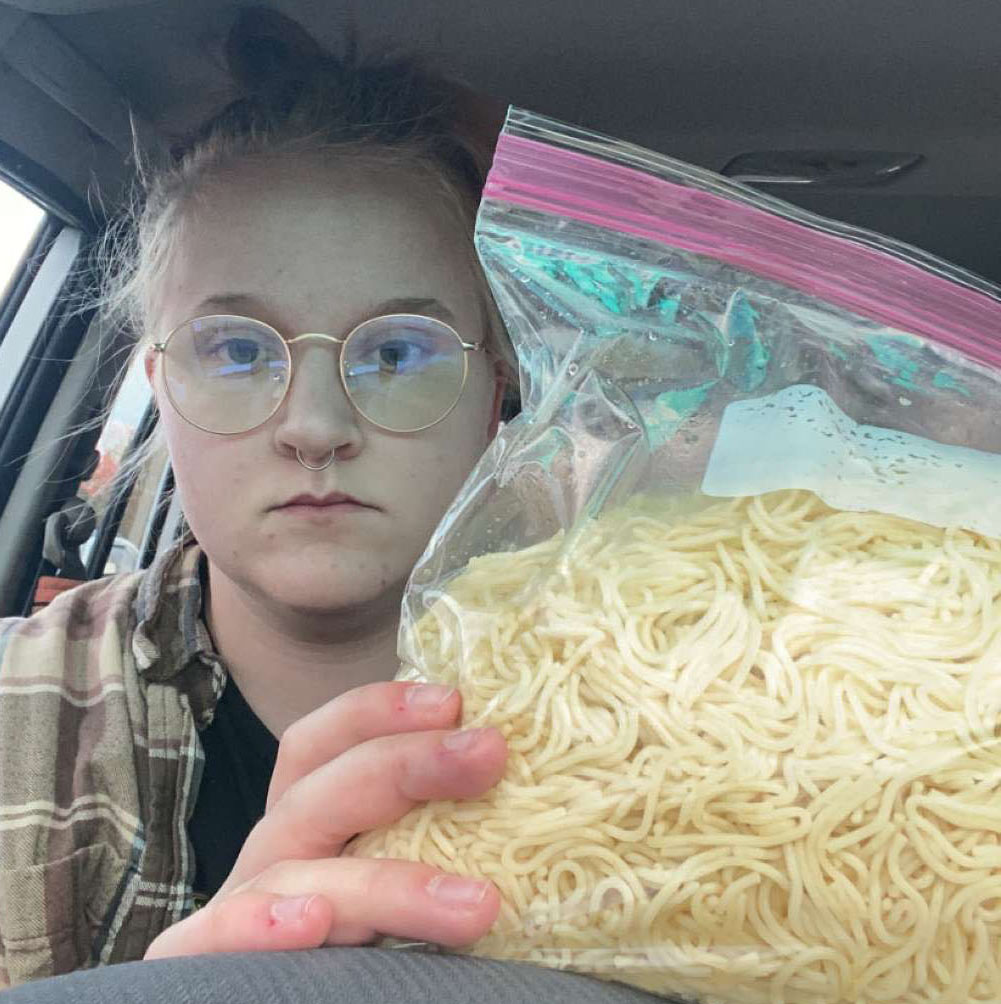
(328,368)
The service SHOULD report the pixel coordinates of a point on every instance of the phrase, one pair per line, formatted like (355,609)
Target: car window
(21,220)
(113,448)
(25,305)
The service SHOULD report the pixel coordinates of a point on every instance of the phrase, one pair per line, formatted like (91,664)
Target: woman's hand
(360,762)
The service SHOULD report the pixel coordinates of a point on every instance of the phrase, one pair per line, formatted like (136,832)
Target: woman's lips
(323,506)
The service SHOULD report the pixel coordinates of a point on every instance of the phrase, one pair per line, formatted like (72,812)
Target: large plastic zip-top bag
(730,586)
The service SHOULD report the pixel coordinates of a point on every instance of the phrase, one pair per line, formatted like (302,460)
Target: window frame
(55,331)
(44,296)
(43,330)
(46,190)
(19,282)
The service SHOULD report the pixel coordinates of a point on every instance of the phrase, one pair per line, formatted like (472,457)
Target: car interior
(882,115)
(879,115)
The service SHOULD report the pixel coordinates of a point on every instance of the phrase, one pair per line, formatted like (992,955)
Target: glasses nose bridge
(316,334)
(306,336)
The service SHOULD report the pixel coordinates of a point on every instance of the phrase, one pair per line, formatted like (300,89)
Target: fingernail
(462,741)
(428,696)
(455,891)
(290,909)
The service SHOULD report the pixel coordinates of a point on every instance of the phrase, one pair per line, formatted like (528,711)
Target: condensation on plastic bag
(731,588)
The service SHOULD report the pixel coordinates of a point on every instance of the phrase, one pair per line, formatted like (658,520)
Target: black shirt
(240,756)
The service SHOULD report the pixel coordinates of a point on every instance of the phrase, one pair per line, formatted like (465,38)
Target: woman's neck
(288,663)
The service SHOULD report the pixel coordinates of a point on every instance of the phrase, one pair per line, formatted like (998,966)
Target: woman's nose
(316,418)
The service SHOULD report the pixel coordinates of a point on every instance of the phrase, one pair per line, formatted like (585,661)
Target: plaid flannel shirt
(102,696)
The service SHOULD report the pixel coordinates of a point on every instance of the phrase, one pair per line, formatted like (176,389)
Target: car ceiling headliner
(701,80)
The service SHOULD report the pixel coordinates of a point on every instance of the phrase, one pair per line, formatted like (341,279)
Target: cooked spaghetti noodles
(754,753)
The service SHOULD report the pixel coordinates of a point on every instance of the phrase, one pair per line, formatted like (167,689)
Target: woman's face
(320,248)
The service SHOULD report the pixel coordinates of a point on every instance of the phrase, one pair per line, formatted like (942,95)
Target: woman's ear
(149,364)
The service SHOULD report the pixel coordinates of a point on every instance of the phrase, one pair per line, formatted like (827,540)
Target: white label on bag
(799,438)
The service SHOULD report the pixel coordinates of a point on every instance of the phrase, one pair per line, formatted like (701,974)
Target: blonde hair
(302,101)
(298,101)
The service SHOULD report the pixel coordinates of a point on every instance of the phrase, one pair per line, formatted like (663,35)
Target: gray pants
(324,976)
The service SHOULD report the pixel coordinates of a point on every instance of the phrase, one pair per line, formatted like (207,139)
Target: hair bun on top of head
(289,88)
(272,61)
(267,52)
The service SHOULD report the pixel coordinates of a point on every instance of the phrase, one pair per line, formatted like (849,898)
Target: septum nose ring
(310,467)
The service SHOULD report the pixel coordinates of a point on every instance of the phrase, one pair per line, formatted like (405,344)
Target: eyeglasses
(229,374)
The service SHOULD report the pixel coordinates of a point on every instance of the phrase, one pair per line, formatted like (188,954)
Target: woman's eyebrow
(414,305)
(240,303)
(252,306)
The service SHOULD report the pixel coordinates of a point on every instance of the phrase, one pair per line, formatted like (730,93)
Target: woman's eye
(241,351)
(400,356)
(235,356)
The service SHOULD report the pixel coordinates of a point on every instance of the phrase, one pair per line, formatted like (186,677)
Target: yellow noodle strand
(756,753)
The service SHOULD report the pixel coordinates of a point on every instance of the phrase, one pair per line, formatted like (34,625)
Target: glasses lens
(226,374)
(402,372)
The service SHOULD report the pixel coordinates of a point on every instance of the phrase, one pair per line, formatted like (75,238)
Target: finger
(373,784)
(401,899)
(378,709)
(252,921)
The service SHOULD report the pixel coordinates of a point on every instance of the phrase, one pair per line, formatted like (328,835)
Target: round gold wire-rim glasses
(161,349)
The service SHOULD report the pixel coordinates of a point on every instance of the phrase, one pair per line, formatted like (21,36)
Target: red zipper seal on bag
(870,281)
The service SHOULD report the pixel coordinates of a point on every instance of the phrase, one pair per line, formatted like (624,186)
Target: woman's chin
(318,591)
